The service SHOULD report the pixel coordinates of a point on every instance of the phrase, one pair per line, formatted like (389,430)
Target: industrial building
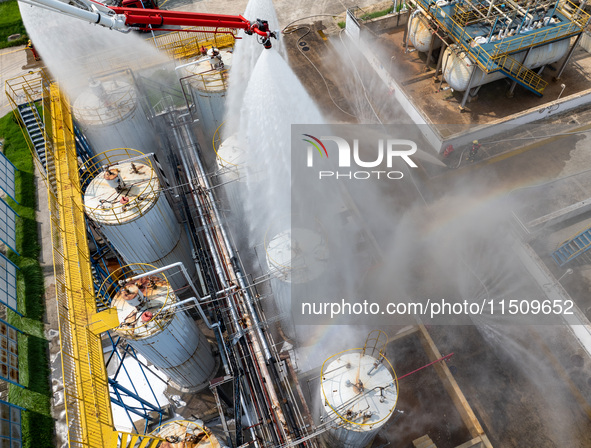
(179,246)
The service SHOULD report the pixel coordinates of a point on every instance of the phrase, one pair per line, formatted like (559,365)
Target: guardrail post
(570,53)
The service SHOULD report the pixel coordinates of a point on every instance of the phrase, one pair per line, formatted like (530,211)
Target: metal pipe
(492,30)
(231,254)
(209,237)
(440,59)
(443,71)
(467,92)
(444,358)
(415,12)
(194,252)
(431,45)
(570,53)
(522,21)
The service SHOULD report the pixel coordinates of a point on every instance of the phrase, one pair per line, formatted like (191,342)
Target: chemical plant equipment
(207,79)
(359,390)
(126,200)
(488,40)
(297,255)
(154,324)
(419,33)
(110,115)
(294,256)
(459,68)
(186,434)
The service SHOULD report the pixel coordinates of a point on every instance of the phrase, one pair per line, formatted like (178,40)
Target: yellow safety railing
(26,89)
(85,384)
(578,21)
(489,62)
(184,44)
(522,73)
(215,80)
(86,389)
(129,440)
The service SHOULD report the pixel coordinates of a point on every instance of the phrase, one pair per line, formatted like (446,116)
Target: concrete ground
(11,62)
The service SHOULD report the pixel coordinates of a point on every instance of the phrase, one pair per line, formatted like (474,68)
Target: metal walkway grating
(573,248)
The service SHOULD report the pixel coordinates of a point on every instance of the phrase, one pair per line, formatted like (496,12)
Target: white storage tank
(297,255)
(186,434)
(167,337)
(126,201)
(110,116)
(419,34)
(293,256)
(358,392)
(231,173)
(208,79)
(458,67)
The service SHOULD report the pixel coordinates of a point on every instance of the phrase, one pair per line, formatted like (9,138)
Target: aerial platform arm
(127,19)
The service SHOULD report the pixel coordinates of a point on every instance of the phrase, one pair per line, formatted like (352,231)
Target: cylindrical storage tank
(126,201)
(359,393)
(294,256)
(231,165)
(209,84)
(186,434)
(297,255)
(110,117)
(458,67)
(166,336)
(419,34)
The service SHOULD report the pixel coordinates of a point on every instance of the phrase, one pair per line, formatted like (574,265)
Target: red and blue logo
(318,142)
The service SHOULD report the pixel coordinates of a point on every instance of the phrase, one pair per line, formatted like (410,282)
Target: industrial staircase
(573,248)
(86,388)
(129,440)
(525,77)
(497,57)
(34,126)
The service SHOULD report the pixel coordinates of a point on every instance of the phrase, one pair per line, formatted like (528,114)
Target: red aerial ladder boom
(126,19)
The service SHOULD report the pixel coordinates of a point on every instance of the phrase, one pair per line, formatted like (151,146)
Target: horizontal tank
(166,336)
(358,394)
(419,34)
(458,67)
(110,116)
(126,201)
(186,434)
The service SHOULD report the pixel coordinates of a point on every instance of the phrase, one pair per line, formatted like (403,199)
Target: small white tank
(167,337)
(110,117)
(133,213)
(459,67)
(419,33)
(358,393)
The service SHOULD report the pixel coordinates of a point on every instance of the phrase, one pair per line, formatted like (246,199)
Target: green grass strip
(376,14)
(11,23)
(37,423)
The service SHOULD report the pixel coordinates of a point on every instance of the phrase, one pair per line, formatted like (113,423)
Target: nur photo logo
(348,156)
